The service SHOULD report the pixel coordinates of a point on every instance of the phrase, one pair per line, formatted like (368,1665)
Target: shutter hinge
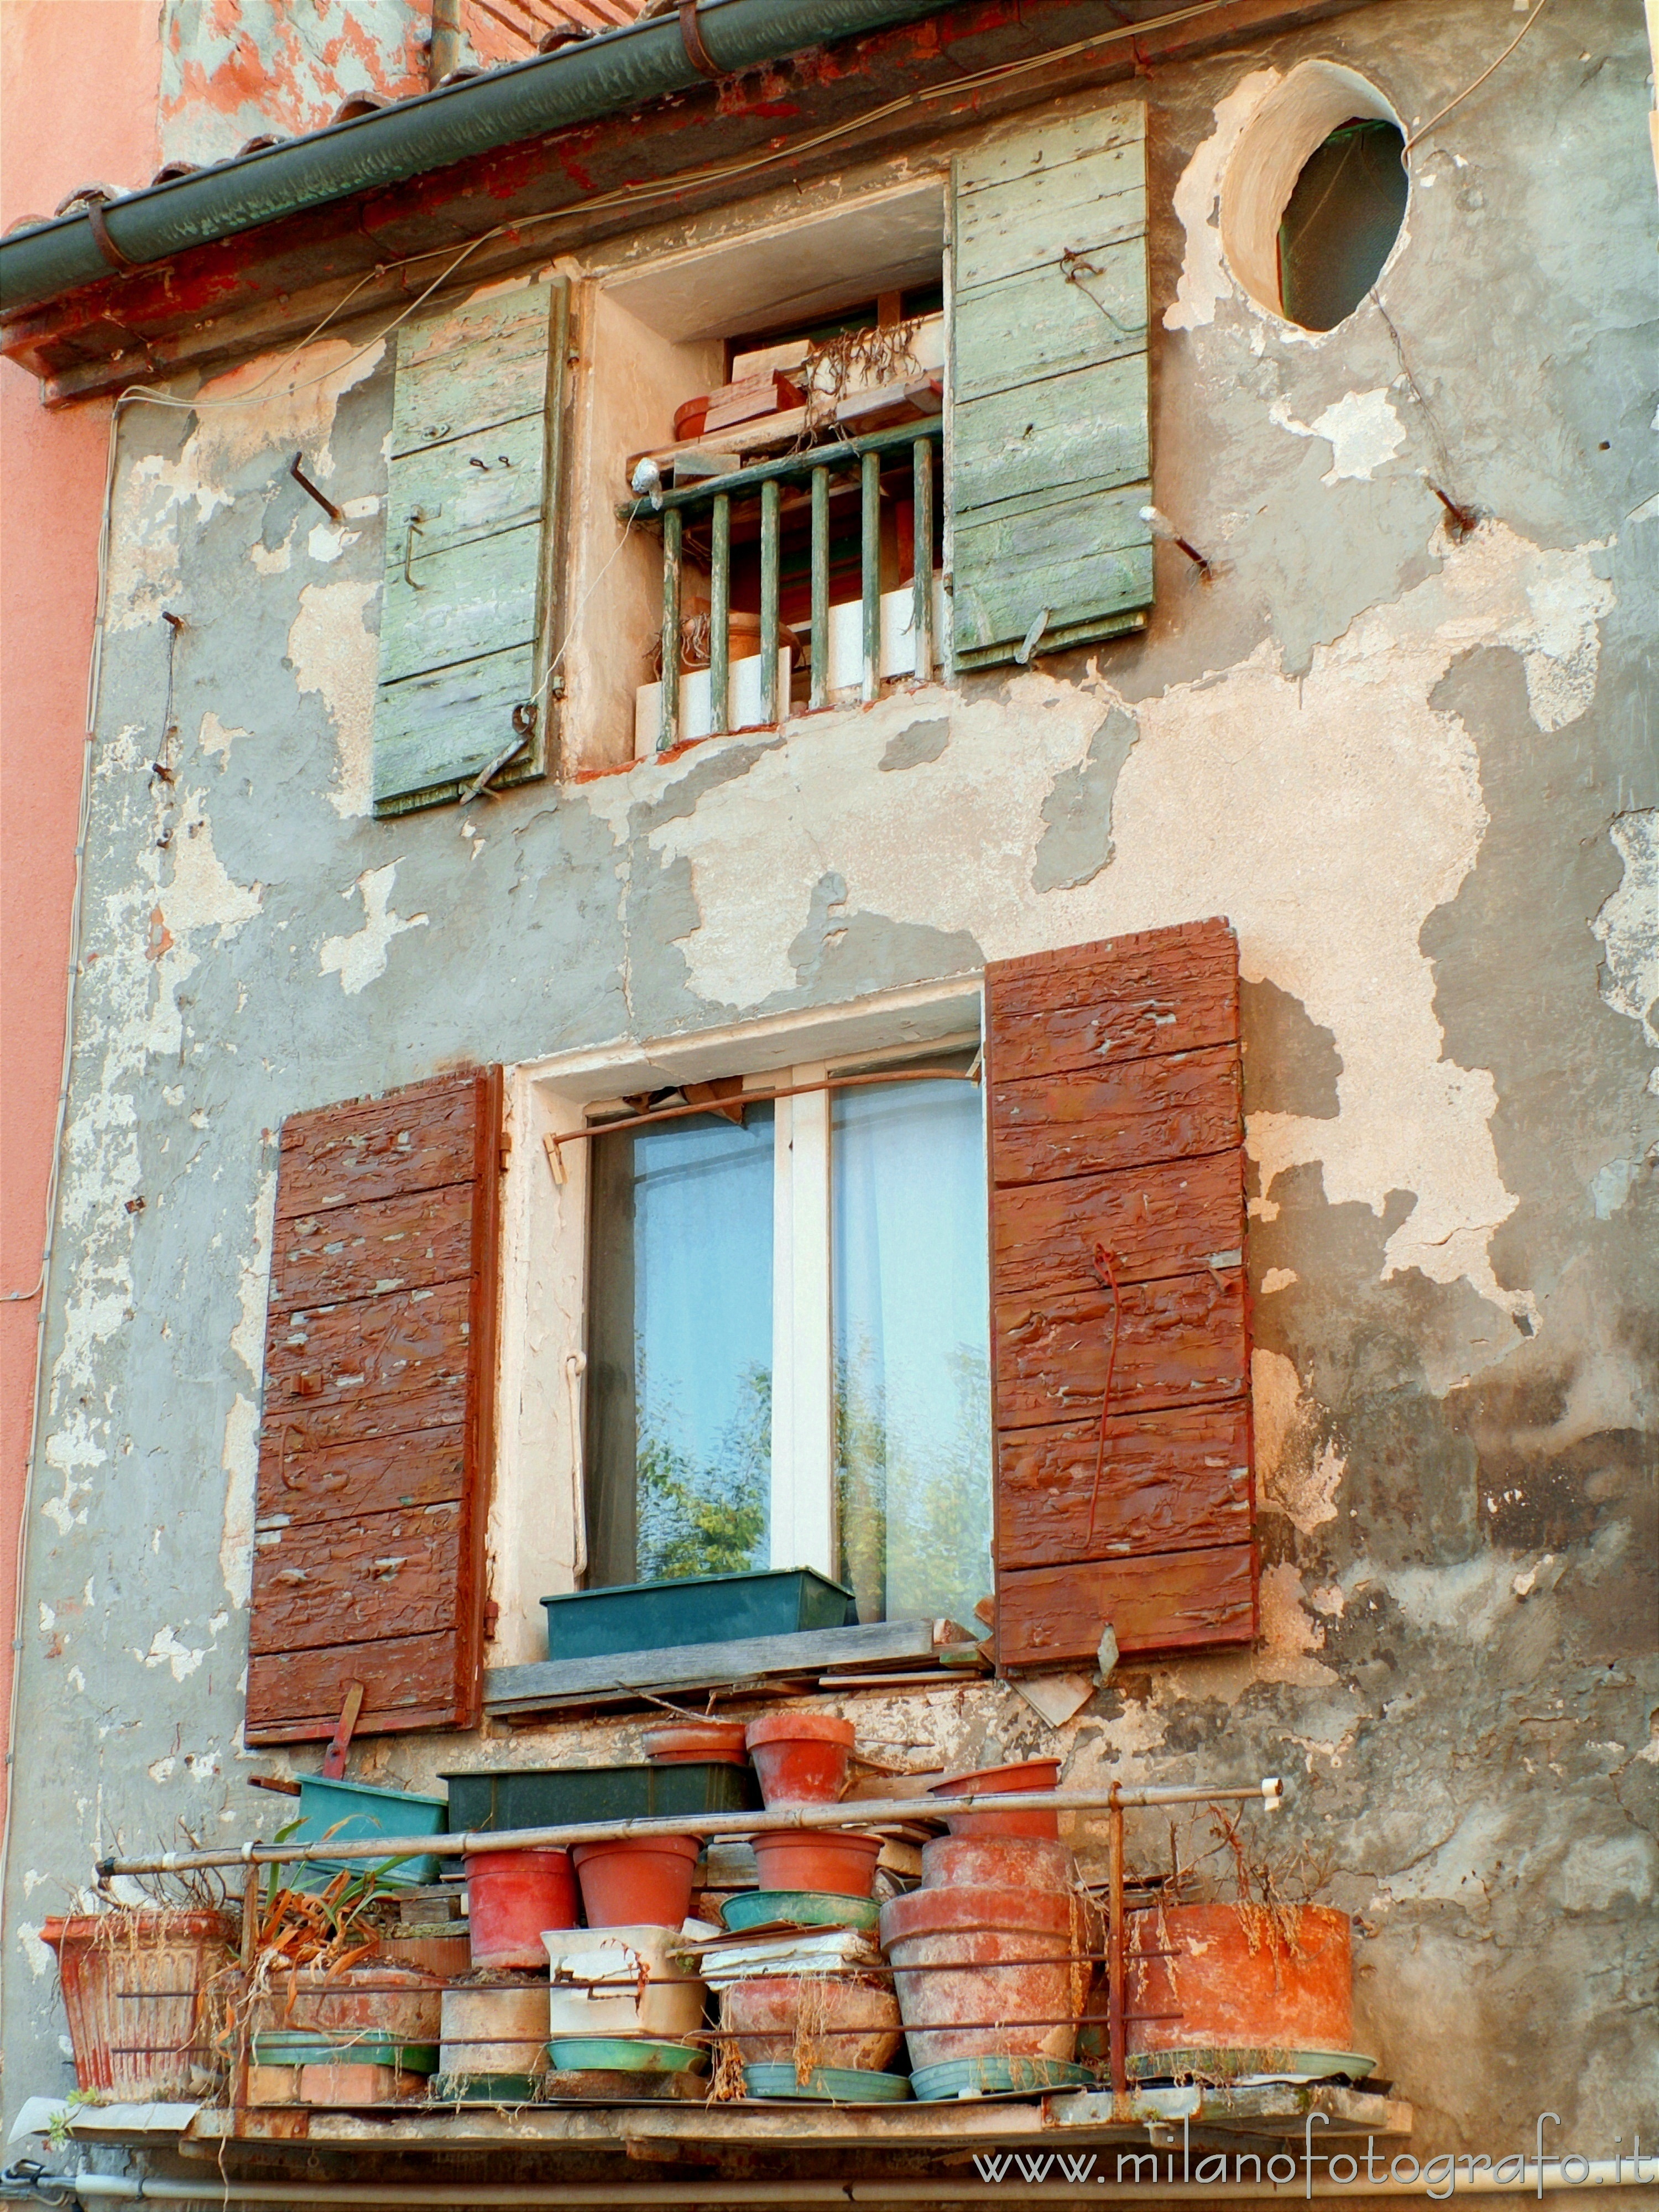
(492,1615)
(505,1151)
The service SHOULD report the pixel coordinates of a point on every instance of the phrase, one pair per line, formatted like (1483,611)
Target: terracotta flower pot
(984,1973)
(511,1896)
(138,1988)
(1028,1774)
(637,1880)
(1241,1978)
(495,2030)
(802,1758)
(371,1999)
(697,1741)
(855,2019)
(835,1860)
(1002,1862)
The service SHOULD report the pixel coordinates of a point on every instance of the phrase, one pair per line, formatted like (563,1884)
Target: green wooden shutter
(470,500)
(1050,461)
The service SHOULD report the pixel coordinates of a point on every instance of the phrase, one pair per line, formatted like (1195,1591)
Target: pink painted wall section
(236,70)
(78,86)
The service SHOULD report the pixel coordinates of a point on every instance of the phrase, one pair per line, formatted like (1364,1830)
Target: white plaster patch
(328,540)
(1204,277)
(1278,1279)
(1361,429)
(1289,1634)
(1598,1871)
(41,1961)
(214,738)
(1294,1480)
(1559,638)
(240,1460)
(247,1339)
(1626,924)
(357,960)
(1465,1601)
(165,1650)
(1610,1185)
(334,655)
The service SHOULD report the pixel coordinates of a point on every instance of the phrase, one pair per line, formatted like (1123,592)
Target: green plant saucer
(1212,2063)
(797,1908)
(623,2054)
(484,2088)
(302,2047)
(997,2077)
(826,2085)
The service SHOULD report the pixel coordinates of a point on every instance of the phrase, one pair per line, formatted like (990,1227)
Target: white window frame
(537,1508)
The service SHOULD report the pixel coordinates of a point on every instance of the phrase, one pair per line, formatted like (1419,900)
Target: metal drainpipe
(445,54)
(100,2188)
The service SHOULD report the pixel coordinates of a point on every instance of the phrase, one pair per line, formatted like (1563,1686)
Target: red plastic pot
(1003,1862)
(833,1860)
(1242,1978)
(1029,1774)
(983,1972)
(637,1881)
(510,1897)
(698,1740)
(802,1758)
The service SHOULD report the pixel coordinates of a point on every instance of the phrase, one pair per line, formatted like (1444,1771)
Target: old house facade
(1134,759)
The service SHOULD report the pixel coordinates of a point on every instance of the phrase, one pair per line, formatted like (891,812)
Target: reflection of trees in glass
(712,1519)
(915,1520)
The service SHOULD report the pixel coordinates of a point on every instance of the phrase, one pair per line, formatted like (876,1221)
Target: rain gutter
(577,83)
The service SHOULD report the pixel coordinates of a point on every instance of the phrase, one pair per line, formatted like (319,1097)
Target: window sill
(551,1685)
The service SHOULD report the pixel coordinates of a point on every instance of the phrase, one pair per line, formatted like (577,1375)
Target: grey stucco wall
(1420,777)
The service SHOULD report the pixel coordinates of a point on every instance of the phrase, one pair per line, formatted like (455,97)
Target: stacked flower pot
(806,2009)
(986,1955)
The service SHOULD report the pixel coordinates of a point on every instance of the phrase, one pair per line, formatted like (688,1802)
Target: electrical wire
(1425,130)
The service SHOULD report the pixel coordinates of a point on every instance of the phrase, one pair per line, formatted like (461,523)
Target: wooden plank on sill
(809,1652)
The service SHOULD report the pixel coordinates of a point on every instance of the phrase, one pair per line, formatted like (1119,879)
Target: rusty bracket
(307,485)
(691,39)
(102,238)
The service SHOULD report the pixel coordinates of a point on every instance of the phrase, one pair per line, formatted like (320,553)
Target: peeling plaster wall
(1419,777)
(236,70)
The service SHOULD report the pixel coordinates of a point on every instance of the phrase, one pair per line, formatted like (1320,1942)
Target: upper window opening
(1341,221)
(1314,195)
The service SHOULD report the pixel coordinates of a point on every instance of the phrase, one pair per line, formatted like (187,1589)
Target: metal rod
(870,576)
(921,616)
(820,694)
(1115,1948)
(669,731)
(763,1098)
(719,617)
(873,1812)
(771,571)
(739,482)
(446,53)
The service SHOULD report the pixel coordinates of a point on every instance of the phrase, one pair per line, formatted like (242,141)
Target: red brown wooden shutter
(374,1449)
(1116,1128)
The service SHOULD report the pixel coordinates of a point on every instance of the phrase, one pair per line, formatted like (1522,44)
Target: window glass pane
(680,1350)
(913,1425)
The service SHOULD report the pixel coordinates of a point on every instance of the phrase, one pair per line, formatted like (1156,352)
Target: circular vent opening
(1315,195)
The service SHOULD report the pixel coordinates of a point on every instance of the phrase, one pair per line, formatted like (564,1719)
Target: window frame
(536,1529)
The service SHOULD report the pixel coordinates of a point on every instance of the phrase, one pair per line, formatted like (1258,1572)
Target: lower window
(788,1357)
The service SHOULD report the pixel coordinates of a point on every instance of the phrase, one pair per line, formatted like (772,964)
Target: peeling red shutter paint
(1116,1123)
(376,1444)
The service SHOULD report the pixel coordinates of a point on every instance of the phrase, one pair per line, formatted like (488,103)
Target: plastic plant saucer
(623,2054)
(997,2077)
(1210,2063)
(304,2047)
(798,1908)
(826,2085)
(484,2088)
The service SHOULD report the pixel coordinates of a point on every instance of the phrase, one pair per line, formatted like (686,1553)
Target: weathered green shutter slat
(1050,445)
(471,492)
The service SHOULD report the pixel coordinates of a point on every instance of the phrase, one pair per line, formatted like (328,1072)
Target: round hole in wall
(1314,195)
